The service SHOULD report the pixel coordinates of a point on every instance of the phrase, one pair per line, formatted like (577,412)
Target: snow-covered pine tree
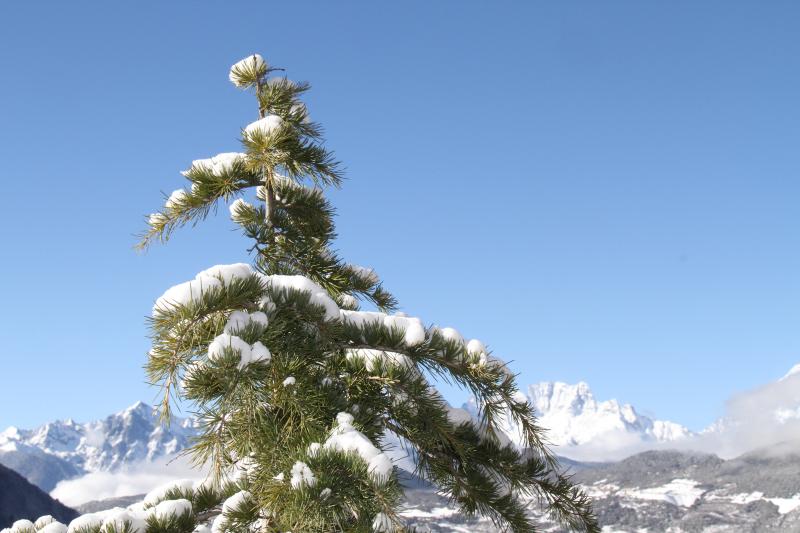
(298,390)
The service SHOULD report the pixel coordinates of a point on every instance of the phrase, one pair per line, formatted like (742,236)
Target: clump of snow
(259,352)
(156,219)
(302,476)
(53,527)
(168,508)
(43,521)
(224,162)
(239,320)
(88,521)
(21,525)
(318,295)
(218,165)
(373,358)
(234,502)
(348,300)
(365,273)
(452,335)
(476,347)
(413,328)
(313,449)
(263,126)
(344,421)
(247,69)
(248,354)
(382,523)
(217,525)
(159,493)
(118,518)
(176,198)
(288,382)
(237,208)
(325,493)
(300,109)
(347,439)
(225,341)
(259,317)
(184,293)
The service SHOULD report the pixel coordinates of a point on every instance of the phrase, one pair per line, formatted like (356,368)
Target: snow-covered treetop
(295,386)
(246,72)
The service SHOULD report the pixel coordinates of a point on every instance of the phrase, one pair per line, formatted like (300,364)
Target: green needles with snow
(296,388)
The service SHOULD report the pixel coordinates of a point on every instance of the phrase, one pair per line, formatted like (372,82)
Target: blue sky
(604,192)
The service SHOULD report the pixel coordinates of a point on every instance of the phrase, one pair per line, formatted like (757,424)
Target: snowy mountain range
(581,427)
(66,449)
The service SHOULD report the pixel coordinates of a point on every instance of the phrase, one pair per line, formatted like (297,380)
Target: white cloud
(136,479)
(763,417)
(608,446)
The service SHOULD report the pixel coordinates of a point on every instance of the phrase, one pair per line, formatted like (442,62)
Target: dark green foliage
(183,523)
(259,421)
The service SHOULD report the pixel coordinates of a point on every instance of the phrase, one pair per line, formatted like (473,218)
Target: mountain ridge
(65,449)
(20,499)
(575,419)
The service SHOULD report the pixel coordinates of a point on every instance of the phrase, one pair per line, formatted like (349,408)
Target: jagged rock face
(659,490)
(42,469)
(20,499)
(573,417)
(681,492)
(65,449)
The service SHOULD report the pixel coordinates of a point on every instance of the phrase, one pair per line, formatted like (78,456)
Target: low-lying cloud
(136,479)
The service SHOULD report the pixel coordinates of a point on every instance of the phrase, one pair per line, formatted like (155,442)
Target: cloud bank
(137,479)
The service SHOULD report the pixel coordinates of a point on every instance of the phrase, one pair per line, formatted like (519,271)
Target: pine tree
(296,389)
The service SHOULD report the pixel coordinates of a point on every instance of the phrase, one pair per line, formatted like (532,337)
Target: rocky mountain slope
(66,449)
(20,499)
(653,491)
(684,491)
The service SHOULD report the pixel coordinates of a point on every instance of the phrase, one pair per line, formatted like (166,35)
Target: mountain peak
(139,406)
(129,436)
(573,417)
(792,371)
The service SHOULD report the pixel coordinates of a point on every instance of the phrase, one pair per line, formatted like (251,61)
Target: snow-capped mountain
(64,449)
(574,419)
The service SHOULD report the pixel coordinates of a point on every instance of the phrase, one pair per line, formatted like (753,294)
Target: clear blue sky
(604,192)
